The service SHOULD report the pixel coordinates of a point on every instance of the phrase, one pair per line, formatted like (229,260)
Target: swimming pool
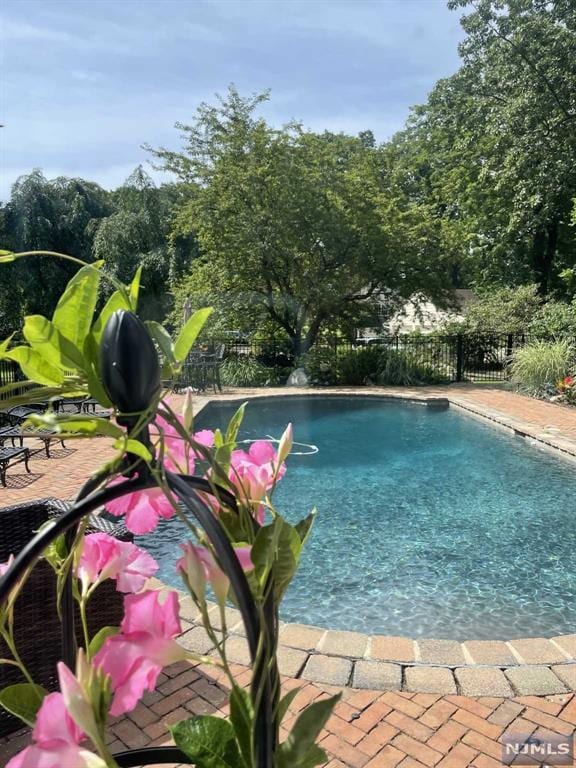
(430,523)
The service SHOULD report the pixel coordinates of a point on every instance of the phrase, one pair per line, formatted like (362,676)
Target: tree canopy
(296,232)
(494,148)
(294,227)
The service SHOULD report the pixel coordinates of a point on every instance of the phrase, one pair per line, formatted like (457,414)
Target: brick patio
(369,729)
(372,729)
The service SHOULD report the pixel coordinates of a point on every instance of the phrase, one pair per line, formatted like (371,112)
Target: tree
(294,226)
(136,234)
(56,215)
(494,148)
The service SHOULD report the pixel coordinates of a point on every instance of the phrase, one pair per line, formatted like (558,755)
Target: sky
(83,84)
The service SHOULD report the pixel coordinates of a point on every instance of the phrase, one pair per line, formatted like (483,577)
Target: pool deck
(405,703)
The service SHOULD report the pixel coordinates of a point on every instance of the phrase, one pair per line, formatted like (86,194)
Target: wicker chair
(37,627)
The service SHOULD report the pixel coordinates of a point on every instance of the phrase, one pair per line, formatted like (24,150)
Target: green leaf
(189,333)
(6,256)
(163,339)
(135,447)
(134,291)
(242,717)
(6,343)
(55,553)
(226,444)
(100,638)
(117,300)
(277,549)
(234,425)
(74,311)
(285,703)
(35,367)
(303,526)
(92,370)
(23,700)
(299,750)
(46,339)
(76,424)
(209,742)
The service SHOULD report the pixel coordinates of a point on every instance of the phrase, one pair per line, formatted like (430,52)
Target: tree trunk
(544,251)
(302,343)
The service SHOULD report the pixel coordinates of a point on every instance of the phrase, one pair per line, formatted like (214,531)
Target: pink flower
(134,658)
(56,739)
(198,566)
(104,557)
(4,566)
(205,437)
(143,509)
(178,456)
(254,474)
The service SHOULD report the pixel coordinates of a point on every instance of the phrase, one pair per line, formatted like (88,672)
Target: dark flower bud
(129,364)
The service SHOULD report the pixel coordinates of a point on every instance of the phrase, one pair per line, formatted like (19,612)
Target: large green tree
(494,149)
(294,227)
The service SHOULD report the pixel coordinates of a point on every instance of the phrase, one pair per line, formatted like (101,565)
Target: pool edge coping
(526,666)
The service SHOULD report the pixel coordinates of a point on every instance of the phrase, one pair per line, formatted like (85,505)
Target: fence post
(459,357)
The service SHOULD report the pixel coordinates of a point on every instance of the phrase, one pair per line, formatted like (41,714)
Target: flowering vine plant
(237,543)
(567,388)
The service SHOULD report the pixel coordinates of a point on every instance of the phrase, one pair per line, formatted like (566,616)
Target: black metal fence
(452,358)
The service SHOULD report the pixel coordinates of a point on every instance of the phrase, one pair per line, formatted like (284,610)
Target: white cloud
(18,31)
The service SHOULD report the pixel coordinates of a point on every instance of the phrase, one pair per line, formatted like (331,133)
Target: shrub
(407,369)
(359,366)
(537,367)
(555,319)
(504,310)
(244,371)
(321,366)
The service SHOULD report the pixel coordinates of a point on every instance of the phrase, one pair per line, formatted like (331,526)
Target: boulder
(297,378)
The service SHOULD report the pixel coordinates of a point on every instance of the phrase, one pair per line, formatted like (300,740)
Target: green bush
(537,367)
(400,368)
(321,366)
(359,366)
(244,371)
(555,319)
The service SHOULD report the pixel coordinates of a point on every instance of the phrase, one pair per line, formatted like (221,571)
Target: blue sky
(84,84)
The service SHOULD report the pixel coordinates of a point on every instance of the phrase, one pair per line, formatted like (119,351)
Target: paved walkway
(369,729)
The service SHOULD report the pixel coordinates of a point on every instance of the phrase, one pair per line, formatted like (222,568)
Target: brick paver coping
(531,666)
(369,728)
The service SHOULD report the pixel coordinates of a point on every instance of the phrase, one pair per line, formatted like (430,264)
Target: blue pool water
(430,523)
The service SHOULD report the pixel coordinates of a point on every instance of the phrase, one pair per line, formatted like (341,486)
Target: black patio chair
(11,456)
(19,413)
(193,374)
(35,612)
(212,364)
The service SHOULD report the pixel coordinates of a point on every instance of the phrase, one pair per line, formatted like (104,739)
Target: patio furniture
(202,370)
(45,435)
(19,413)
(11,456)
(37,627)
(212,365)
(9,433)
(80,404)
(193,374)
